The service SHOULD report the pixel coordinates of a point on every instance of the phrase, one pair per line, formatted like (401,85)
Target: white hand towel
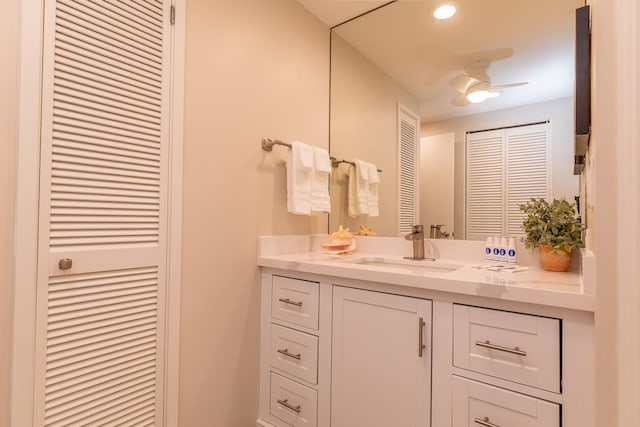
(352,193)
(320,202)
(362,186)
(372,196)
(299,170)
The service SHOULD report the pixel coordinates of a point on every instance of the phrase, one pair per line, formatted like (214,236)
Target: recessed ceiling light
(444,11)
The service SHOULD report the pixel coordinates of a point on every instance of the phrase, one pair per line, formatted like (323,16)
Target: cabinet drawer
(295,353)
(517,347)
(293,403)
(295,301)
(480,405)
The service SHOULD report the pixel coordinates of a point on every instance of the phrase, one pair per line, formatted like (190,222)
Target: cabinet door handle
(291,355)
(487,344)
(421,344)
(288,301)
(485,422)
(288,405)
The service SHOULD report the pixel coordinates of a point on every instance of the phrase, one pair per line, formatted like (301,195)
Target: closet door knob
(65,263)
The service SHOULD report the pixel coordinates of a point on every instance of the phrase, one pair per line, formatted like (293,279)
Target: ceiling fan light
(478,96)
(444,11)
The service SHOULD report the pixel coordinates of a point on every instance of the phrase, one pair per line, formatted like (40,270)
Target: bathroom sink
(408,264)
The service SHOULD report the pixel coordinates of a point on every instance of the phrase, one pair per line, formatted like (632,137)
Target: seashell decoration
(365,231)
(339,242)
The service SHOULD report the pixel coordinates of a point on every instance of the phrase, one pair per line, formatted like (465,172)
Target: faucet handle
(418,228)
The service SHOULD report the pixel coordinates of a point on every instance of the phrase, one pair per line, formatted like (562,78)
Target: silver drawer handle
(485,422)
(288,301)
(291,355)
(515,350)
(421,345)
(288,405)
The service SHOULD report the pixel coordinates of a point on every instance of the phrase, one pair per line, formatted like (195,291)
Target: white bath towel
(320,202)
(299,170)
(372,196)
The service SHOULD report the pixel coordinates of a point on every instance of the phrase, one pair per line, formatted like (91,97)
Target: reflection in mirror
(399,56)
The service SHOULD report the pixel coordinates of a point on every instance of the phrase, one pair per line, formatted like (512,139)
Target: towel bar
(268,143)
(335,163)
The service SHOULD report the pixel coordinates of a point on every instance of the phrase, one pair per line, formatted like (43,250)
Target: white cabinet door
(380,375)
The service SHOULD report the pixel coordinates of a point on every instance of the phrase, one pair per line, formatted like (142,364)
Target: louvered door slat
(73,37)
(138,22)
(108,102)
(70,65)
(113,154)
(98,115)
(104,165)
(88,378)
(94,411)
(137,405)
(103,106)
(64,374)
(145,11)
(101,95)
(112,29)
(100,386)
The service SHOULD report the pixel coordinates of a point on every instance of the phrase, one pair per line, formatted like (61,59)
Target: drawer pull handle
(288,301)
(421,344)
(485,422)
(291,355)
(288,405)
(515,350)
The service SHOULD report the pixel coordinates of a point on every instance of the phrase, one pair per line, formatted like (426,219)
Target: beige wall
(437,180)
(364,126)
(559,112)
(254,68)
(8,102)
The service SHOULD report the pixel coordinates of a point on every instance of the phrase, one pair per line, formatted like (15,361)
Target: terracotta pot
(554,261)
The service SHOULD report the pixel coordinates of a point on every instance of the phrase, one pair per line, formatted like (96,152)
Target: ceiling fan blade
(460,100)
(462,83)
(508,85)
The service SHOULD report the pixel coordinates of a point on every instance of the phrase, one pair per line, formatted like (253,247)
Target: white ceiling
(334,12)
(423,54)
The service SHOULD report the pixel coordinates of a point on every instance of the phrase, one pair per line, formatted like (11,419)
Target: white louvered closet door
(103,208)
(504,168)
(484,184)
(407,169)
(528,171)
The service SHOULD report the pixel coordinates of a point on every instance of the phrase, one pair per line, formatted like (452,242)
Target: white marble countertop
(460,275)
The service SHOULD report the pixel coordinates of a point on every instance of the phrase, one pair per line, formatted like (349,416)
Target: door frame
(26,215)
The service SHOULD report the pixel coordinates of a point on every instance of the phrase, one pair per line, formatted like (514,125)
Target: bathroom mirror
(398,57)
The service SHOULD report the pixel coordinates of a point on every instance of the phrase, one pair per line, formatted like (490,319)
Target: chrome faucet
(436,232)
(417,237)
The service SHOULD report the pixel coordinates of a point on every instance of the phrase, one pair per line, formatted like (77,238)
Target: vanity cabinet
(343,352)
(381,359)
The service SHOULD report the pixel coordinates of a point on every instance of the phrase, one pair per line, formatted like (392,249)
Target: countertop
(460,276)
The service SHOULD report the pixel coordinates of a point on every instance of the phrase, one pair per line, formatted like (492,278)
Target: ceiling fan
(475,86)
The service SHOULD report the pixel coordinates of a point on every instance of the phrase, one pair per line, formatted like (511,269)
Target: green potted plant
(554,229)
